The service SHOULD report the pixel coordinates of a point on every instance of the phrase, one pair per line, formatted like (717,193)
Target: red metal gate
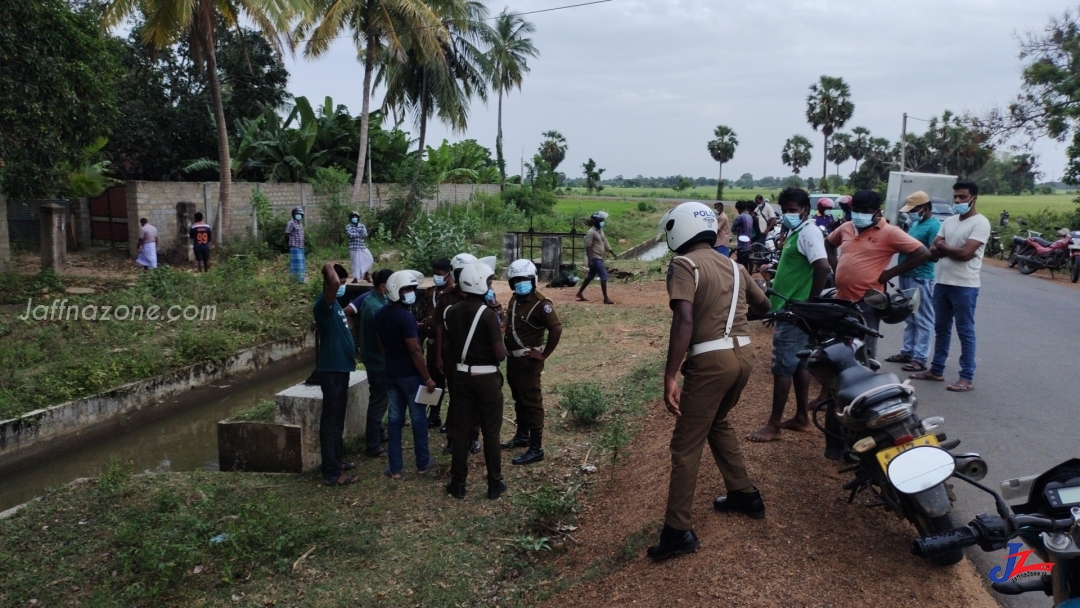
(108,216)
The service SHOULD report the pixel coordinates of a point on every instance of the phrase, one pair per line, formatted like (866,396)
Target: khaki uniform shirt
(712,297)
(596,244)
(438,319)
(459,319)
(529,317)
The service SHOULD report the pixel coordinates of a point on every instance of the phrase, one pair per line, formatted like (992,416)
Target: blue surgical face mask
(862,220)
(297,217)
(791,220)
(354,220)
(340,290)
(523,288)
(440,280)
(602,224)
(409,298)
(961,209)
(489,296)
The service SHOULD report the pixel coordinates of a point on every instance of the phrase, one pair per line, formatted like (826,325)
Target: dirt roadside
(813,549)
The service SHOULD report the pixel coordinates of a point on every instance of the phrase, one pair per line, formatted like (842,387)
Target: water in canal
(183,440)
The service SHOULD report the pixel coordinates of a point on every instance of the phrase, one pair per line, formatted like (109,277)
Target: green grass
(1024,205)
(702,193)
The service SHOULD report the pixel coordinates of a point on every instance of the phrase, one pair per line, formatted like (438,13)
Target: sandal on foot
(901,358)
(926,376)
(914,366)
(960,388)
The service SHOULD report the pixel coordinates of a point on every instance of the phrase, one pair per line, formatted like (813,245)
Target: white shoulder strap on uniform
(734,299)
(472,330)
(692,265)
(513,320)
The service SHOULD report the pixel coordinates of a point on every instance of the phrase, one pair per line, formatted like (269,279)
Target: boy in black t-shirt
(201,235)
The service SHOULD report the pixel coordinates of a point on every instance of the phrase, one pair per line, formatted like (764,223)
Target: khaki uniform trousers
(478,401)
(712,384)
(523,376)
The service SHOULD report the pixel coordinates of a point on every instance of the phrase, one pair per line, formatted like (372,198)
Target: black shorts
(202,255)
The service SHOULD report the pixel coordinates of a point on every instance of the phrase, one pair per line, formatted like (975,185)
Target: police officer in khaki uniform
(474,333)
(709,298)
(449,359)
(444,284)
(530,315)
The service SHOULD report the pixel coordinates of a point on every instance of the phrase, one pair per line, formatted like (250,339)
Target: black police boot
(673,542)
(457,490)
(535,452)
(449,449)
(496,490)
(475,447)
(434,420)
(744,502)
(519,440)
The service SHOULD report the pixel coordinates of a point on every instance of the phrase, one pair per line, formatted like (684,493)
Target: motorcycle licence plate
(885,456)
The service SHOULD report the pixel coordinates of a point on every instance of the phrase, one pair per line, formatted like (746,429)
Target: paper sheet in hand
(425,398)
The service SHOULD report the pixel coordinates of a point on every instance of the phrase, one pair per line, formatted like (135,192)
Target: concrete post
(80,217)
(53,238)
(510,248)
(550,257)
(5,244)
(185,213)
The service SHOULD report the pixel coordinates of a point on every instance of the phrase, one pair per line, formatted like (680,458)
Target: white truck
(938,187)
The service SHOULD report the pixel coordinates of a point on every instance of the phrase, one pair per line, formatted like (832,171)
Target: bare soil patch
(93,263)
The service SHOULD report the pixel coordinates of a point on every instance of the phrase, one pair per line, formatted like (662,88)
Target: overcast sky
(638,85)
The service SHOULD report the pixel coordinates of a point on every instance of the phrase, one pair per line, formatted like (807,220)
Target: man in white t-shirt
(765,217)
(958,250)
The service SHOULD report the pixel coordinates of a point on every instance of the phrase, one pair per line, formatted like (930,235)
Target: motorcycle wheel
(928,526)
(1026,267)
(1074,273)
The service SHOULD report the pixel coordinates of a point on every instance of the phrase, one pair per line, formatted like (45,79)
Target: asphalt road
(1024,415)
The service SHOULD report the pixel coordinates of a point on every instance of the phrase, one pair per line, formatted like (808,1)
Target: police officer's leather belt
(719,344)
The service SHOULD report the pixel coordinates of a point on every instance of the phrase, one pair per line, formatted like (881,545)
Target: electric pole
(903,144)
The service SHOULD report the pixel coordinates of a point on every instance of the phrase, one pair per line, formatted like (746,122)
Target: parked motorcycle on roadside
(1021,246)
(871,416)
(1049,522)
(1074,258)
(1052,257)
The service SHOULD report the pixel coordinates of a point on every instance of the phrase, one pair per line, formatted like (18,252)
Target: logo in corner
(1016,565)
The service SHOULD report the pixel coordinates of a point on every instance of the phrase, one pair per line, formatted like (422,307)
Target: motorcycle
(1053,257)
(994,247)
(1021,246)
(1049,522)
(870,417)
(1074,258)
(763,259)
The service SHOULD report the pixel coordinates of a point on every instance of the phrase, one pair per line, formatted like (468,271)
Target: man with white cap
(920,325)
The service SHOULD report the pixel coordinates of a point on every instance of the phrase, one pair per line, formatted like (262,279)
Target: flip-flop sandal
(348,481)
(925,376)
(914,366)
(390,474)
(960,388)
(898,359)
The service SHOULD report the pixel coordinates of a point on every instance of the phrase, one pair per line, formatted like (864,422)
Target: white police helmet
(474,278)
(462,260)
(521,268)
(398,281)
(688,223)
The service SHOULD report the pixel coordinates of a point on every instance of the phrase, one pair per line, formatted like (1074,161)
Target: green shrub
(263,411)
(585,401)
(332,184)
(432,237)
(532,201)
(646,207)
(552,506)
(271,225)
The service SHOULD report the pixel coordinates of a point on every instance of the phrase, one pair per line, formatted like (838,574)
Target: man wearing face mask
(867,244)
(358,251)
(294,232)
(449,358)
(372,358)
(443,279)
(919,326)
(596,247)
(334,364)
(529,317)
(800,275)
(958,247)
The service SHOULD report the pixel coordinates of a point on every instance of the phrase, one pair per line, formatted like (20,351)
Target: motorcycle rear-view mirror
(920,468)
(876,299)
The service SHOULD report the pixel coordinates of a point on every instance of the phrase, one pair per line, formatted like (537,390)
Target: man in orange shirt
(867,245)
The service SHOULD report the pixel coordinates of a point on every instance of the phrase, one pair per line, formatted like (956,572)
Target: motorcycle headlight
(888,413)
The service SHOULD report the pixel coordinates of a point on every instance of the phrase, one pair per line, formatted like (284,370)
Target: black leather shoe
(517,441)
(449,449)
(475,447)
(744,502)
(496,490)
(536,449)
(442,429)
(434,422)
(457,490)
(673,542)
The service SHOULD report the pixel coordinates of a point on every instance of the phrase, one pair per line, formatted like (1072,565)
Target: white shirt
(811,242)
(765,213)
(956,233)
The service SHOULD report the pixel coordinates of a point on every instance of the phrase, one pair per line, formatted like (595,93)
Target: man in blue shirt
(920,325)
(335,362)
(398,335)
(366,306)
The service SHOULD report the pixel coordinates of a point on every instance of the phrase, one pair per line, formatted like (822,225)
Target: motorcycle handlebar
(978,533)
(957,538)
(865,329)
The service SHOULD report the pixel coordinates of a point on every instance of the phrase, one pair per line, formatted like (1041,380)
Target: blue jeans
(401,392)
(920,325)
(952,302)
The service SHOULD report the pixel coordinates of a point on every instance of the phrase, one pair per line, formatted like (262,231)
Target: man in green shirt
(335,362)
(920,325)
(800,276)
(374,364)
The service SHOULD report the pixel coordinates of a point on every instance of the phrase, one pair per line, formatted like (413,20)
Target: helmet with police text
(401,279)
(460,261)
(522,269)
(474,278)
(687,224)
(297,211)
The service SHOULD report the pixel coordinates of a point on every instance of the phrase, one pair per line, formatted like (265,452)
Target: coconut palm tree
(860,142)
(168,21)
(379,29)
(722,150)
(553,148)
(828,107)
(506,63)
(796,153)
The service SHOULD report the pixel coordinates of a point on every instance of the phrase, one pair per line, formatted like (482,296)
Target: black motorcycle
(870,417)
(1049,522)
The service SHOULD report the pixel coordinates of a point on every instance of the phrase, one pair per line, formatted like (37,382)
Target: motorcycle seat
(1041,241)
(858,380)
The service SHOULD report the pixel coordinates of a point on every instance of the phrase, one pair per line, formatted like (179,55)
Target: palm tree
(860,142)
(553,148)
(828,107)
(506,63)
(840,150)
(168,21)
(379,29)
(796,153)
(722,150)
